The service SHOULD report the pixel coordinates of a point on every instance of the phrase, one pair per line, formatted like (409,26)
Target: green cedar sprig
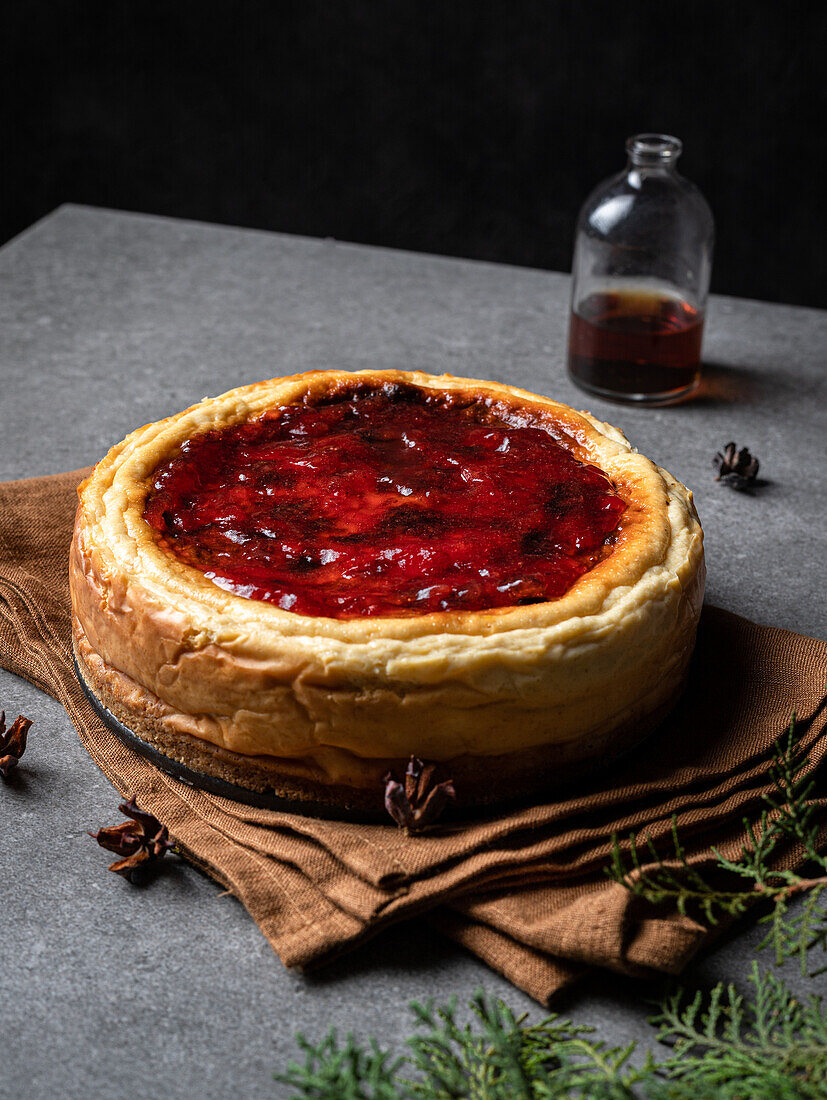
(729,1047)
(723,1045)
(791,815)
(494,1056)
(344,1072)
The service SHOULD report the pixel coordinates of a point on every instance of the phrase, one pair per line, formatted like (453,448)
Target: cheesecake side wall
(289,706)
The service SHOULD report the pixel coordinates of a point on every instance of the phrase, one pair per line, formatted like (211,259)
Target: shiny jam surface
(389,501)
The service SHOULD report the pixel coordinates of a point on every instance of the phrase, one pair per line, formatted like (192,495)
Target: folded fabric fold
(524,889)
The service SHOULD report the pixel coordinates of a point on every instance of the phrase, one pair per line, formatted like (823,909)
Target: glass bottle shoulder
(620,203)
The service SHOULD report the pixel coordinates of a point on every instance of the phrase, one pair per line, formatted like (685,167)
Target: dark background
(471,129)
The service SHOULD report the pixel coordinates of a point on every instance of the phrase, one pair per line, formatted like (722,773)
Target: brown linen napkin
(524,889)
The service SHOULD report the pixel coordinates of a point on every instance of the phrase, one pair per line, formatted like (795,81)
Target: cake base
(266,800)
(269,783)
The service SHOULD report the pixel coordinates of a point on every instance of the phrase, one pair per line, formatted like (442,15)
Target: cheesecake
(300,584)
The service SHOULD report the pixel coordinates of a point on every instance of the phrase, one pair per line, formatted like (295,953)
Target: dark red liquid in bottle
(636,345)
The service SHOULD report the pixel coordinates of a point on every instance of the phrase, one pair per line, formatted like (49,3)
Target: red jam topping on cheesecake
(385,502)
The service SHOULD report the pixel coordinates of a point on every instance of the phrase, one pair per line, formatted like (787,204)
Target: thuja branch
(723,1045)
(496,1055)
(790,816)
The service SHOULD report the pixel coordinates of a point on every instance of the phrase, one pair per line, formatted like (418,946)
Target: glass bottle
(640,278)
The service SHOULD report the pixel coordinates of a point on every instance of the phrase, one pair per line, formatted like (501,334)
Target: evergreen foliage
(752,881)
(723,1044)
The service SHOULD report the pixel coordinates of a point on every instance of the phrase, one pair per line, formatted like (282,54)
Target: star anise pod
(420,801)
(12,743)
(737,468)
(139,842)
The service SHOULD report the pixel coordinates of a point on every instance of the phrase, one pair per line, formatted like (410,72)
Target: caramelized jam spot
(384,502)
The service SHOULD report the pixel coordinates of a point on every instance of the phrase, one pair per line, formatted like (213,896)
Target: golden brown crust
(257,681)
(358,784)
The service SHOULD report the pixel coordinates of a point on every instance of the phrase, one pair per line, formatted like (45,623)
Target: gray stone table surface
(110,320)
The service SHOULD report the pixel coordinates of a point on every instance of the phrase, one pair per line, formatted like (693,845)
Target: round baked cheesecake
(298,585)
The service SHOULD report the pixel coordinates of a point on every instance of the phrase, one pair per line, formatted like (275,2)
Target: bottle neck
(653,152)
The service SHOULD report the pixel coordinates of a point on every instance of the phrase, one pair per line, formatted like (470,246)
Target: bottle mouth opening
(653,149)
